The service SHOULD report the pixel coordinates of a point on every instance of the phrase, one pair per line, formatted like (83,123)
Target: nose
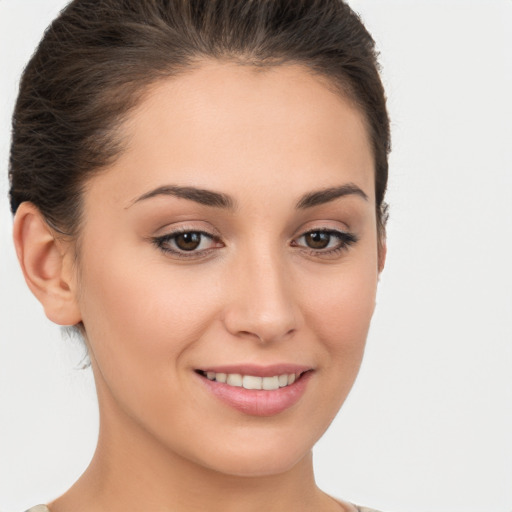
(262,304)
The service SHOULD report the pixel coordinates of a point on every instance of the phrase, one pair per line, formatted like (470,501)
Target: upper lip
(258,370)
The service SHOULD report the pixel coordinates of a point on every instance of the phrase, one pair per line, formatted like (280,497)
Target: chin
(266,456)
(261,465)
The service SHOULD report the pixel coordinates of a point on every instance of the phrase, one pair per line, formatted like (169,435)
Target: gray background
(428,426)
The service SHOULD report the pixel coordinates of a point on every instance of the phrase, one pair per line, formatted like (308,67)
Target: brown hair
(98,57)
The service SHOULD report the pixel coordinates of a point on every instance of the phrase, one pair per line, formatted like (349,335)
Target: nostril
(265,338)
(249,334)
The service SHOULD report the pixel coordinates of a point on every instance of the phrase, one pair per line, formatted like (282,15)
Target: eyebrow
(329,194)
(198,195)
(220,200)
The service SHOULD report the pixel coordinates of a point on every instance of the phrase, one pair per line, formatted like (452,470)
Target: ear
(47,265)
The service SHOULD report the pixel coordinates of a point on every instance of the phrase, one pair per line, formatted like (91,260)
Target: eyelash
(345,240)
(162,243)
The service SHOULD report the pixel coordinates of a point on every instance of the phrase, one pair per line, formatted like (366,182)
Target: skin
(254,292)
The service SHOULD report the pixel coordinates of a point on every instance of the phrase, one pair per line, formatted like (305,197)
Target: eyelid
(160,240)
(185,226)
(346,240)
(336,232)
(165,242)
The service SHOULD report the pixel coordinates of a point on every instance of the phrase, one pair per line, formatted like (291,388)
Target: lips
(258,391)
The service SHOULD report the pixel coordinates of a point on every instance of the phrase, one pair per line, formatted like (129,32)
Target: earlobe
(46,265)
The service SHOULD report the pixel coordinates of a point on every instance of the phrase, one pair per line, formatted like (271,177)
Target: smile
(271,391)
(252,381)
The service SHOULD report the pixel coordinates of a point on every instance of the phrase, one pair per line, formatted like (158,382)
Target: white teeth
(271,383)
(234,379)
(253,382)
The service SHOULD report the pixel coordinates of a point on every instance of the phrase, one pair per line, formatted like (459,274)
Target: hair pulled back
(97,58)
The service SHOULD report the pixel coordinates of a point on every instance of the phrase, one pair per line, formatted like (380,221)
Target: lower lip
(257,402)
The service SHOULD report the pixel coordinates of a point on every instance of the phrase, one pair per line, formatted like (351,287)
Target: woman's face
(234,239)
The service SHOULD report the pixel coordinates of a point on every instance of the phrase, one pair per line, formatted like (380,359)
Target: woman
(198,188)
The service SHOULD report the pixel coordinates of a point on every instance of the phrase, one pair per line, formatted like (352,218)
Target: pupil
(188,241)
(318,240)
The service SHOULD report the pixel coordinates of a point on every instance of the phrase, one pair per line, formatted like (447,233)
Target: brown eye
(325,242)
(317,239)
(188,241)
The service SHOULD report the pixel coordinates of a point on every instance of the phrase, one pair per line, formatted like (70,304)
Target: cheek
(340,314)
(345,301)
(140,317)
(142,322)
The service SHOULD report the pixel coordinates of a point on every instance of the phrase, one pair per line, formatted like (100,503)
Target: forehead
(220,123)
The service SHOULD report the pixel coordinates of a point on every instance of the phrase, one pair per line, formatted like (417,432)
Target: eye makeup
(196,243)
(188,243)
(325,242)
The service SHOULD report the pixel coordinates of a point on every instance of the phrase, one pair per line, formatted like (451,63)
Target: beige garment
(44,508)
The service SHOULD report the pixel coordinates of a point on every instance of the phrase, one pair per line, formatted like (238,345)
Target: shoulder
(44,508)
(354,508)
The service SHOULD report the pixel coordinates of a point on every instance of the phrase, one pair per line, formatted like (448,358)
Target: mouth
(257,391)
(253,382)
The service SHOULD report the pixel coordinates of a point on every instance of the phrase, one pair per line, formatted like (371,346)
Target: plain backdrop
(428,425)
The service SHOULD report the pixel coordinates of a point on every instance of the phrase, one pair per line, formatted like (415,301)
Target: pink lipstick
(257,390)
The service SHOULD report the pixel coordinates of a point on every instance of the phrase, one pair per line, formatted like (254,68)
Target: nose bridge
(262,305)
